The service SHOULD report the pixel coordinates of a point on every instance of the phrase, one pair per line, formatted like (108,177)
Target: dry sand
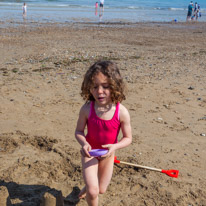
(41,70)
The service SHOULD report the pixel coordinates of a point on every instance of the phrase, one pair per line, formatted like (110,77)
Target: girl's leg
(90,175)
(105,173)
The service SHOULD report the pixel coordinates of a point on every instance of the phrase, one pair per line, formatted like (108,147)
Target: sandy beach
(41,70)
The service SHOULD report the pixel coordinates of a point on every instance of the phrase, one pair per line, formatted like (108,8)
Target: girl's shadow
(72,199)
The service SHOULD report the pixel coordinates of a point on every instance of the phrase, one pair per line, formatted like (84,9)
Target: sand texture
(41,70)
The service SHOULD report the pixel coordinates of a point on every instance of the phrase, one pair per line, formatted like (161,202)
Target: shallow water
(84,11)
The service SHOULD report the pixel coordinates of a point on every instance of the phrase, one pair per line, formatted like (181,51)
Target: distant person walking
(198,7)
(195,7)
(101,9)
(96,8)
(101,5)
(24,9)
(196,13)
(190,10)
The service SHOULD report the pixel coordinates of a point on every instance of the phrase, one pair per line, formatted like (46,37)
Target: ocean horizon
(130,11)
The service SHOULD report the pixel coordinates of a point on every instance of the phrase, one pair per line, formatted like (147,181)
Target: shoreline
(86,15)
(12,23)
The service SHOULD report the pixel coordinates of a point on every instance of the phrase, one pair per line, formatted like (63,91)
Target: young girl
(104,116)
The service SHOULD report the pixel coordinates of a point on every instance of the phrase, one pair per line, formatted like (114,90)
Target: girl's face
(101,90)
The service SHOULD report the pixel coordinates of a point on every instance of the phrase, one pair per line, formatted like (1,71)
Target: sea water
(85,11)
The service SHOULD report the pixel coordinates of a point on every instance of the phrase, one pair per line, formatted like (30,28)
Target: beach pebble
(144,176)
(191,88)
(202,118)
(202,134)
(124,202)
(166,106)
(74,77)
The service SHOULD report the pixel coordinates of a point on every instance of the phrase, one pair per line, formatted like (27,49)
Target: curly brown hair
(110,70)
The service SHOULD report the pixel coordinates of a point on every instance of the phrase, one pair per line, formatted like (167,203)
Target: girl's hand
(111,149)
(85,150)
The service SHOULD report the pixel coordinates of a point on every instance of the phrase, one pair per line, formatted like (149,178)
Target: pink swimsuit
(101,132)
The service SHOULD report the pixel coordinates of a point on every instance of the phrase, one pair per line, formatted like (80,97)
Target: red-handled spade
(171,173)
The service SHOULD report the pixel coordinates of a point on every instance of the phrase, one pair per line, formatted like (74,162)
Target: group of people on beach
(193,11)
(101,9)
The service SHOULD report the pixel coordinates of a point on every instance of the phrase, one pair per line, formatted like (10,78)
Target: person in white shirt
(24,9)
(101,5)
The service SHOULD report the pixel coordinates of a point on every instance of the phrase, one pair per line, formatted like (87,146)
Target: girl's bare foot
(82,193)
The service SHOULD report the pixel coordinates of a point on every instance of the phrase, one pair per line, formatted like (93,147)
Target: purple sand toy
(97,152)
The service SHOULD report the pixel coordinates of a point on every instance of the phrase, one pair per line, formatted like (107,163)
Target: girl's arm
(125,127)
(79,132)
(126,132)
